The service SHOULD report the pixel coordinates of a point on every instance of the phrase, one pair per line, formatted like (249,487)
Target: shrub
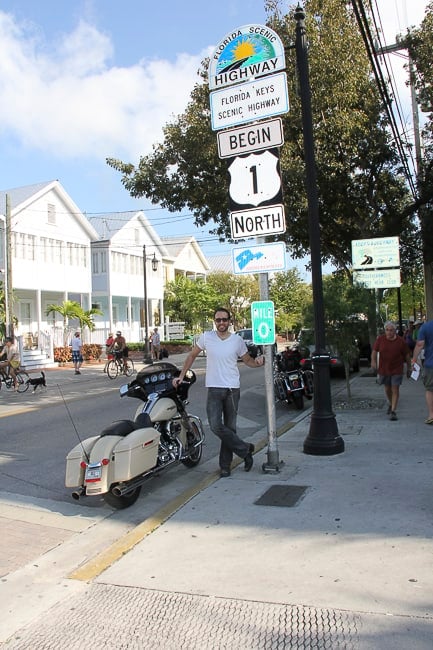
(90,351)
(62,355)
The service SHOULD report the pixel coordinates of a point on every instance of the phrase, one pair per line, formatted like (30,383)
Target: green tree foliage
(189,301)
(290,296)
(86,317)
(345,308)
(361,190)
(193,302)
(236,292)
(70,309)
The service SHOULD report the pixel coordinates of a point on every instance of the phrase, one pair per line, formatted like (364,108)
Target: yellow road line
(115,551)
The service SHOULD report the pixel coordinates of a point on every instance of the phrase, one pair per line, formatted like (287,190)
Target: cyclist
(12,359)
(120,349)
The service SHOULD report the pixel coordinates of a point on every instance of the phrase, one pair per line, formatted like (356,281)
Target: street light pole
(323,438)
(147,356)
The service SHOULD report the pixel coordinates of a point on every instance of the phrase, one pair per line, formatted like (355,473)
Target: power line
(364,27)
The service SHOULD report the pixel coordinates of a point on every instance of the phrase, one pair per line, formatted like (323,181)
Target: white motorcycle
(116,463)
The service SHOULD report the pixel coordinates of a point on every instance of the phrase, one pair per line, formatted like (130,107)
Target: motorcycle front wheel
(124,501)
(193,436)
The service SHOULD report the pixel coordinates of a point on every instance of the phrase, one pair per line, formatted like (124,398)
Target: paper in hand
(415,372)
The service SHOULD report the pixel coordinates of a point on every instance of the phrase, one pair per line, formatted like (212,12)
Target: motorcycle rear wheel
(124,501)
(195,455)
(298,401)
(309,383)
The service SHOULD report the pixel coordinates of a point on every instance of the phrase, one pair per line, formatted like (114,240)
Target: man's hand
(176,381)
(260,360)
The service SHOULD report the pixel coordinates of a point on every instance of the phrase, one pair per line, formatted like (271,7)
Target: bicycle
(120,366)
(21,377)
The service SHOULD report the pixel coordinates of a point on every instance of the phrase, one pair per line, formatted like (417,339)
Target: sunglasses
(221,320)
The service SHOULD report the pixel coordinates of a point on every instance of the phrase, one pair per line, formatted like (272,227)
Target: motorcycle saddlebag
(74,471)
(135,454)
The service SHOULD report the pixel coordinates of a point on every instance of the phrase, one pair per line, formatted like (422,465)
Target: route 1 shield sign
(255,180)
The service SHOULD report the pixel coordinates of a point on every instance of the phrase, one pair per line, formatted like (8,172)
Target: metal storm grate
(283,496)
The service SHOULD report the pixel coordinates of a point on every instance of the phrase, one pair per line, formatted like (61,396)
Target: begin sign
(256,137)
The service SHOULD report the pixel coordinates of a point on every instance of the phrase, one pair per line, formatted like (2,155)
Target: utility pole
(427,266)
(8,276)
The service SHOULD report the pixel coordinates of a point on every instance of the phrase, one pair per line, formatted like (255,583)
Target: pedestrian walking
(392,352)
(223,349)
(155,340)
(77,352)
(425,342)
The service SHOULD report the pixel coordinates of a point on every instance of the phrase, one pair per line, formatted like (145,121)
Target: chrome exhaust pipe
(76,494)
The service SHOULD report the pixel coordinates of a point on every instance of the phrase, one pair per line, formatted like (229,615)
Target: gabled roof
(221,263)
(110,225)
(22,197)
(176,245)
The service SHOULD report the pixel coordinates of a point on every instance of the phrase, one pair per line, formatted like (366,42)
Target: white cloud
(69,102)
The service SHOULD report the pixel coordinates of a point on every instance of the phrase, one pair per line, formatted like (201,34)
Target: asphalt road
(36,437)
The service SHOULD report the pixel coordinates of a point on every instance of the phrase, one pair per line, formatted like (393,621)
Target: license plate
(93,473)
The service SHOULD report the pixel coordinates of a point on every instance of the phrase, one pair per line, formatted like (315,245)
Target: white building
(58,254)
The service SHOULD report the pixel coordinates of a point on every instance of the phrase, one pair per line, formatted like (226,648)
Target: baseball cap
(118,333)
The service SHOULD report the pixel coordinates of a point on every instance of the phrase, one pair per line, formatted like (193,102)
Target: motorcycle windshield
(158,378)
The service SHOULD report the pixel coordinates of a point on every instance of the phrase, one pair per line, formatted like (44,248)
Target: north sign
(258,223)
(255,137)
(250,101)
(247,52)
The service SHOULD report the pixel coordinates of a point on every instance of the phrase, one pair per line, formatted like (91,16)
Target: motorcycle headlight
(123,390)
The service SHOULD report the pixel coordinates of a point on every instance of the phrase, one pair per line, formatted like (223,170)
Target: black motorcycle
(291,382)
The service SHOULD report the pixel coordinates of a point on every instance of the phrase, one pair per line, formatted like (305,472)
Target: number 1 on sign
(253,171)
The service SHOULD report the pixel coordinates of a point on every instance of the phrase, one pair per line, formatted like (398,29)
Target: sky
(83,80)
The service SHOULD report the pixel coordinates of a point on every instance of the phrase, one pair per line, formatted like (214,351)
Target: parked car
(306,347)
(247,336)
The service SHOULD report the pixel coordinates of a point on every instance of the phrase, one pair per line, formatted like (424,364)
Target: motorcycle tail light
(105,461)
(83,464)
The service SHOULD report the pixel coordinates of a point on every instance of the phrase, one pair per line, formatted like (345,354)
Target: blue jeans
(222,409)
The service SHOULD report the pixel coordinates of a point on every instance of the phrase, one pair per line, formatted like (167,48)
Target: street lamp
(323,438)
(147,357)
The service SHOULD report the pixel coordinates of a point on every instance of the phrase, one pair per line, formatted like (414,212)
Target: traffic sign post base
(273,464)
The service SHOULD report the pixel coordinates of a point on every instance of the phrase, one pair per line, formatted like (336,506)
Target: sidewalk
(330,552)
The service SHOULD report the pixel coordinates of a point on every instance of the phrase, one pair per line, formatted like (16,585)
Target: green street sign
(263,322)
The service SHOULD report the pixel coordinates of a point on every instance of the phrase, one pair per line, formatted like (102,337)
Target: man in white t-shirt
(223,348)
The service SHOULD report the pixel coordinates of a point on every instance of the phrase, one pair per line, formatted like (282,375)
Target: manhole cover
(284,496)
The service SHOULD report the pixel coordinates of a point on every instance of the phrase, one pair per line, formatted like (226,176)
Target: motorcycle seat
(119,428)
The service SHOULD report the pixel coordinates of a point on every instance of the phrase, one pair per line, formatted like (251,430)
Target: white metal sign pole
(273,463)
